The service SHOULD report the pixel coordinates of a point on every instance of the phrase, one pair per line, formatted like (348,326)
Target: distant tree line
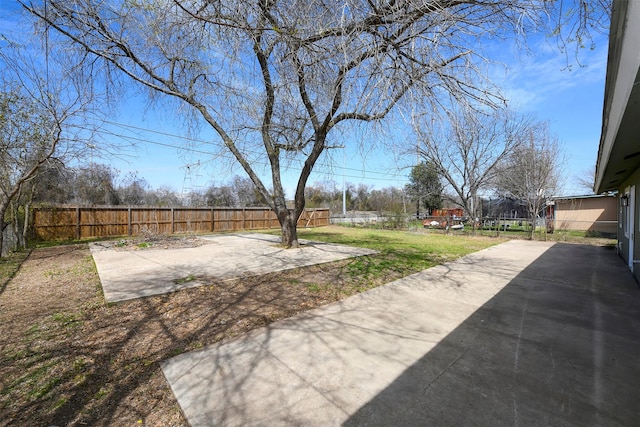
(101,184)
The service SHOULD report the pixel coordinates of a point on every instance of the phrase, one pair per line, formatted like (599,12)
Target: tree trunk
(289,226)
(532,219)
(18,243)
(473,213)
(25,228)
(1,239)
(290,235)
(3,225)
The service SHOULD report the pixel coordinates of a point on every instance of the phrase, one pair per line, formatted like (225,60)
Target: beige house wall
(587,214)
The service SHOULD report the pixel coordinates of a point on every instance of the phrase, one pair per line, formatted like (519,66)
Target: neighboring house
(445,212)
(504,207)
(618,166)
(596,214)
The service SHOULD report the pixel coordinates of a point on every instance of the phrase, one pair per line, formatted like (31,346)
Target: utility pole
(187,183)
(419,189)
(344,185)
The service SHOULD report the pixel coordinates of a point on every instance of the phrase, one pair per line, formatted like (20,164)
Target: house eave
(619,151)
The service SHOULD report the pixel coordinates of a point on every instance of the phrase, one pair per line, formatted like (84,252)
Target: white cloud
(530,80)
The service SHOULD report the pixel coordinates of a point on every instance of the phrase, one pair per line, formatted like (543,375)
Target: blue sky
(538,83)
(571,99)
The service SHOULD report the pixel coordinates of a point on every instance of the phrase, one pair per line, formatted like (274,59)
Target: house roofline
(586,196)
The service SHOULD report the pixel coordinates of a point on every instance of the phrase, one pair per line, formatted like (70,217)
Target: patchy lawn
(68,358)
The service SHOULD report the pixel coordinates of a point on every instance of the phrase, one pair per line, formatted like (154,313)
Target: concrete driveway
(134,274)
(524,333)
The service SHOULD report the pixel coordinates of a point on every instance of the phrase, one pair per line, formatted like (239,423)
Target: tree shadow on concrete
(557,346)
(99,364)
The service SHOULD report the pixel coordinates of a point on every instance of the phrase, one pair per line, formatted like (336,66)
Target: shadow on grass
(9,267)
(98,364)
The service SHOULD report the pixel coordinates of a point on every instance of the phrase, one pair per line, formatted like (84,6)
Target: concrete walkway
(524,333)
(134,274)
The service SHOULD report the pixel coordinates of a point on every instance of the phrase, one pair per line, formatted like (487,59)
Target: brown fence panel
(146,220)
(55,223)
(95,222)
(191,220)
(257,219)
(254,219)
(79,222)
(223,220)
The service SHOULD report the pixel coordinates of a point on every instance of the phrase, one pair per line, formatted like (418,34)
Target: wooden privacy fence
(81,222)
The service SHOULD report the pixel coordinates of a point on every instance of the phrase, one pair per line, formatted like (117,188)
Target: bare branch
(277,77)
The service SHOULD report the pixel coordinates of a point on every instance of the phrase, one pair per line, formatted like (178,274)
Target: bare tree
(326,194)
(95,184)
(387,200)
(22,145)
(531,173)
(53,184)
(38,128)
(220,196)
(246,192)
(275,79)
(467,148)
(318,196)
(360,198)
(133,190)
(166,196)
(587,178)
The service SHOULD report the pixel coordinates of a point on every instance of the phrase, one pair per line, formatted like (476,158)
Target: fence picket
(81,222)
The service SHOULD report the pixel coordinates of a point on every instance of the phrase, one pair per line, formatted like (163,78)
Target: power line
(318,171)
(389,177)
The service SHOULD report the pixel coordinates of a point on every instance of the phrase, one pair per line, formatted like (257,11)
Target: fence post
(129,228)
(78,223)
(244,219)
(212,224)
(172,216)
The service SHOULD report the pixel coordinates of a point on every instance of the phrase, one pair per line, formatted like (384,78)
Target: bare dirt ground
(69,359)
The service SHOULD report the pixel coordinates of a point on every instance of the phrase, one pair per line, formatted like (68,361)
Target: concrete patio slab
(133,274)
(524,333)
